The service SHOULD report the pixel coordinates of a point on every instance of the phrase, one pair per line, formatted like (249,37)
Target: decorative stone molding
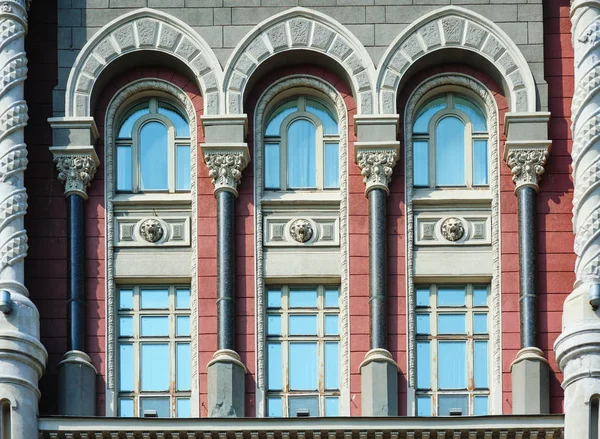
(300,28)
(455,27)
(160,226)
(142,30)
(15,10)
(377,167)
(281,226)
(227,356)
(226,166)
(527,166)
(301,230)
(453,229)
(152,230)
(76,170)
(379,355)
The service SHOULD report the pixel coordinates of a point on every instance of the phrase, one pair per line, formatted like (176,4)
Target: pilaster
(22,356)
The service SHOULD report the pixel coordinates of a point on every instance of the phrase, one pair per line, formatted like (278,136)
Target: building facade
(221,217)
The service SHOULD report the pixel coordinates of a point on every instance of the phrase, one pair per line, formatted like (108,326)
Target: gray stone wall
(224,23)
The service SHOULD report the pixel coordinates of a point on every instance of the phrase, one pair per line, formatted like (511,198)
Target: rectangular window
(154,362)
(303,350)
(452,338)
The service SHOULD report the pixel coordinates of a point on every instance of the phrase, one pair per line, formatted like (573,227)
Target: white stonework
(22,356)
(578,347)
(300,28)
(143,29)
(526,165)
(377,166)
(225,166)
(76,168)
(454,27)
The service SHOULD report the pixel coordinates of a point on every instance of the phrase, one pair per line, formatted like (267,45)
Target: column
(578,347)
(76,162)
(525,152)
(376,153)
(226,155)
(22,356)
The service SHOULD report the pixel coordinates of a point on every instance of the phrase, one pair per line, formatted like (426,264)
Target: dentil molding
(76,168)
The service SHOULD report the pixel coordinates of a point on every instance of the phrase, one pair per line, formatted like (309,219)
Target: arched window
(450,143)
(301,141)
(153,149)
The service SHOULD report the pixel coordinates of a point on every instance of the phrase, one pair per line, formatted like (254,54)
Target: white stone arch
(449,28)
(304,29)
(142,29)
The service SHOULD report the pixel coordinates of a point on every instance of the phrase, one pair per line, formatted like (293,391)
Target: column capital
(76,168)
(225,165)
(376,163)
(526,161)
(16,9)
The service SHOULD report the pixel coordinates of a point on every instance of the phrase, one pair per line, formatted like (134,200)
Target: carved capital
(16,9)
(527,166)
(76,168)
(377,167)
(225,165)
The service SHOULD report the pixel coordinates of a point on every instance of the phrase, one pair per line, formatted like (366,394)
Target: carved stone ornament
(76,172)
(527,166)
(376,168)
(453,229)
(225,169)
(301,230)
(151,230)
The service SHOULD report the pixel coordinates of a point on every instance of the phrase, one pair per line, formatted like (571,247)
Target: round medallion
(301,230)
(151,230)
(453,229)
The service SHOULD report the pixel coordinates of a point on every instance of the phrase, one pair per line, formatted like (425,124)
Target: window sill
(458,196)
(152,198)
(301,197)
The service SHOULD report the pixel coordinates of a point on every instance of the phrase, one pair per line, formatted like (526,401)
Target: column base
(226,385)
(530,383)
(379,384)
(76,385)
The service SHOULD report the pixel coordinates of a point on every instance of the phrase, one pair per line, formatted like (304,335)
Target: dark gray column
(76,272)
(226,269)
(527,197)
(378,268)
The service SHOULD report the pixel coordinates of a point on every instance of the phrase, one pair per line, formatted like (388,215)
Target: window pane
(272,162)
(452,365)
(450,152)
(153,326)
(182,298)
(182,128)
(274,407)
(480,295)
(183,168)
(278,115)
(332,406)
(481,364)
(421,163)
(422,120)
(125,299)
(154,366)
(184,409)
(451,296)
(327,118)
(480,162)
(473,111)
(133,115)
(274,325)
(331,325)
(451,324)
(126,408)
(310,403)
(332,365)
(332,166)
(124,168)
(274,298)
(303,366)
(301,154)
(155,299)
(480,323)
(423,365)
(481,406)
(184,362)
(154,159)
(183,326)
(126,326)
(452,402)
(303,325)
(424,405)
(274,368)
(331,297)
(423,324)
(160,405)
(422,296)
(126,367)
(303,298)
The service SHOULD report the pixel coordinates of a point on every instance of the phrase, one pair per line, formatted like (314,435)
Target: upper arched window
(153,149)
(450,143)
(301,141)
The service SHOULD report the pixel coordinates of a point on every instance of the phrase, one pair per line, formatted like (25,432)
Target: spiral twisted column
(578,347)
(22,356)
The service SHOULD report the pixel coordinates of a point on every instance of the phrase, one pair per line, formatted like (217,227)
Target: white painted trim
(453,27)
(142,29)
(300,29)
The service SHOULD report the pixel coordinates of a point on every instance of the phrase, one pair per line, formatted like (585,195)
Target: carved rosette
(527,166)
(377,168)
(76,172)
(225,169)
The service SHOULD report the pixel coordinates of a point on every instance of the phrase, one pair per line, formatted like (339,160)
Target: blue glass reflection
(481,364)
(184,362)
(303,366)
(127,125)
(154,366)
(303,325)
(480,162)
(473,111)
(332,166)
(452,365)
(274,124)
(421,163)
(423,365)
(421,123)
(272,162)
(302,156)
(183,168)
(126,367)
(154,147)
(274,376)
(327,118)
(332,365)
(182,128)
(450,152)
(124,179)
